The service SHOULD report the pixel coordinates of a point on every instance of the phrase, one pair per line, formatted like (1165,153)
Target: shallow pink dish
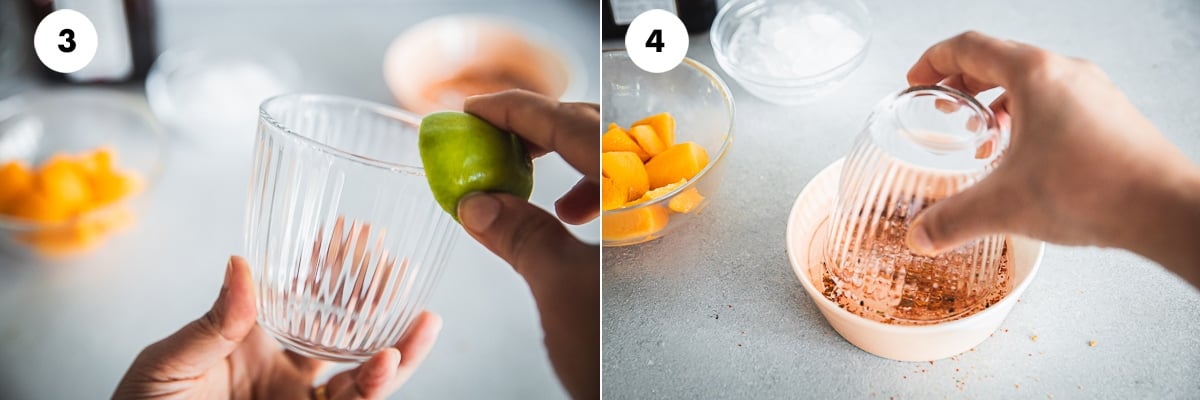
(805,234)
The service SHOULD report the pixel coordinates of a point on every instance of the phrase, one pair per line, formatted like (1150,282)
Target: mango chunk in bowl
(663,148)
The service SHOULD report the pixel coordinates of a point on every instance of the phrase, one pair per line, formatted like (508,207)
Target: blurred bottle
(14,45)
(127,38)
(697,15)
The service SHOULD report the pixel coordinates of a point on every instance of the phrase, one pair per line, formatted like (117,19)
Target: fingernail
(467,101)
(918,240)
(228,273)
(478,211)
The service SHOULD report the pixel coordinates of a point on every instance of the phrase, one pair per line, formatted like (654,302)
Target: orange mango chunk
(62,180)
(110,186)
(16,179)
(39,207)
(663,191)
(64,240)
(681,161)
(627,171)
(636,223)
(663,125)
(65,196)
(612,125)
(647,139)
(99,161)
(686,201)
(77,236)
(612,195)
(617,139)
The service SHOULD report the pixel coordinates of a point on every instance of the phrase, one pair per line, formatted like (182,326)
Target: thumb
(522,234)
(203,343)
(980,210)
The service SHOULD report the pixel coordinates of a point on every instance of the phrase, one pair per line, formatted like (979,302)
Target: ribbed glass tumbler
(342,232)
(919,146)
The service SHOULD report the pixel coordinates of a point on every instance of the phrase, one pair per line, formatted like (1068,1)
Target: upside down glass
(919,146)
(343,235)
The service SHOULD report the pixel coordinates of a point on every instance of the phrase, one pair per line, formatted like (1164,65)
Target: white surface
(70,330)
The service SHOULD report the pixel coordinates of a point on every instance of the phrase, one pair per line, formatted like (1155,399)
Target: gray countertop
(714,310)
(69,330)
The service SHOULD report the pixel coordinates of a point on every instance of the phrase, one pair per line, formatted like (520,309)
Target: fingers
(1000,109)
(986,208)
(417,344)
(579,205)
(386,371)
(570,129)
(982,60)
(967,84)
(520,233)
(205,342)
(309,365)
(368,381)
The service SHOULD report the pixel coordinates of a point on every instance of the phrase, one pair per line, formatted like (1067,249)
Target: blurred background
(172,97)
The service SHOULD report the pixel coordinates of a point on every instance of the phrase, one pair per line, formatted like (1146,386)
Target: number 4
(655,41)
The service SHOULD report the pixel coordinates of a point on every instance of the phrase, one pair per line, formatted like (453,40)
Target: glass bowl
(703,111)
(834,35)
(39,125)
(211,90)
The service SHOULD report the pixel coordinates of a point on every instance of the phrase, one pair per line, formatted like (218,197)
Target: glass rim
(381,109)
(990,128)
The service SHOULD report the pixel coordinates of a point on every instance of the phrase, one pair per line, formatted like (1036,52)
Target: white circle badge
(656,41)
(65,41)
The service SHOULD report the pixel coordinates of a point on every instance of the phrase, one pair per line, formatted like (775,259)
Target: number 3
(655,41)
(70,39)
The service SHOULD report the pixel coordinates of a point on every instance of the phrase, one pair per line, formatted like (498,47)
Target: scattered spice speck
(1017,385)
(1033,338)
(1092,343)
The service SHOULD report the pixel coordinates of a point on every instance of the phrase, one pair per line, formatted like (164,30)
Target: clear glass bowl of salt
(791,51)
